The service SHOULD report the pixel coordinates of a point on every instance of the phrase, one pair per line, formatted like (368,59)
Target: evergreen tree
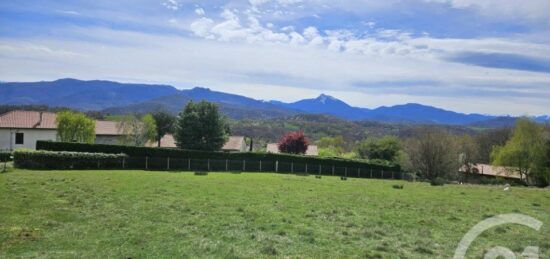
(199,126)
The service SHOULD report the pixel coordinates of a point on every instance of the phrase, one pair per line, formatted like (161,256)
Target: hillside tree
(433,153)
(293,143)
(75,127)
(165,124)
(331,146)
(200,126)
(137,131)
(385,148)
(525,151)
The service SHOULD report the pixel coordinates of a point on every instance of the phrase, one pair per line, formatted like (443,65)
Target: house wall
(7,137)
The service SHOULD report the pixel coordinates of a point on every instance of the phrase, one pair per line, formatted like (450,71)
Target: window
(19,138)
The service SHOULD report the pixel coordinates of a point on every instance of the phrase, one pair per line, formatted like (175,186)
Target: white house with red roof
(21,129)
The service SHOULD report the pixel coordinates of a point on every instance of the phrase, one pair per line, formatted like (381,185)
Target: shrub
(437,181)
(41,159)
(5,156)
(294,143)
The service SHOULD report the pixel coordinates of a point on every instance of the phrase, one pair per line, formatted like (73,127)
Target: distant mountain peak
(323,98)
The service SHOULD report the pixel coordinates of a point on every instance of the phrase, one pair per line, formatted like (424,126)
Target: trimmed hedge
(30,159)
(5,156)
(193,154)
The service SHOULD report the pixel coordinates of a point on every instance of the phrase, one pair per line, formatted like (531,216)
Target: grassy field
(138,214)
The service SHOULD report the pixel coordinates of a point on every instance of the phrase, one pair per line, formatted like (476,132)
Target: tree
(386,148)
(75,127)
(331,146)
(488,139)
(525,151)
(468,153)
(432,153)
(200,126)
(164,122)
(137,132)
(293,143)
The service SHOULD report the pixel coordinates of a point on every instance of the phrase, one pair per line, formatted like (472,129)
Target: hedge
(154,152)
(5,156)
(41,159)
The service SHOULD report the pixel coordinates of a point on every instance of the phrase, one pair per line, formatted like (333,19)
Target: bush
(5,156)
(266,158)
(30,159)
(438,182)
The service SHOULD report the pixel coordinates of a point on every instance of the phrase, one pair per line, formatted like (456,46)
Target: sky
(471,56)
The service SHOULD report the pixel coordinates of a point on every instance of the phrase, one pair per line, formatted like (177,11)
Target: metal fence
(247,165)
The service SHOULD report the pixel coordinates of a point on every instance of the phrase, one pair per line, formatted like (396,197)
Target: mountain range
(118,98)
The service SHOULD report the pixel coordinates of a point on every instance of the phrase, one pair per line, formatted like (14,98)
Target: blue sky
(485,56)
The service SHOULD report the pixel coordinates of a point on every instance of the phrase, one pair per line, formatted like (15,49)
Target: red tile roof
(107,128)
(234,143)
(312,150)
(28,120)
(31,120)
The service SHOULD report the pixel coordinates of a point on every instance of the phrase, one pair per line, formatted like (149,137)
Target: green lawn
(138,214)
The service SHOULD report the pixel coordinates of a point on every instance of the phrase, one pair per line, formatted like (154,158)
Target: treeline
(437,154)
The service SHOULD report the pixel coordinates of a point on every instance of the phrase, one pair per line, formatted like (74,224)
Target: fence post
(306,168)
(319,169)
(244,165)
(98,164)
(345,171)
(358,172)
(371,173)
(226,165)
(123,163)
(260,165)
(392,175)
(382,174)
(208,164)
(276,166)
(168,163)
(188,164)
(146,162)
(292,167)
(333,170)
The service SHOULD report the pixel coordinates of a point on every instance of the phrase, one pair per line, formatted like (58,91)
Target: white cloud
(538,10)
(199,11)
(173,5)
(202,27)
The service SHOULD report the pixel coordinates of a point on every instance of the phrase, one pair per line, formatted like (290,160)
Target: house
(233,144)
(312,150)
(21,129)
(493,171)
(108,132)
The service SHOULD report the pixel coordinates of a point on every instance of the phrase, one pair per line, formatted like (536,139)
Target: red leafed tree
(294,143)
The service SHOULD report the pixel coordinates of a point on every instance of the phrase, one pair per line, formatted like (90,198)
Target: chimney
(40,119)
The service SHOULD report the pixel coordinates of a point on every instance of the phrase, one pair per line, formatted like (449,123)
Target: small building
(233,144)
(492,171)
(21,129)
(312,150)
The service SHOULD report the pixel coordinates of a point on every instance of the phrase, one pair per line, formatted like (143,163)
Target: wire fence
(247,165)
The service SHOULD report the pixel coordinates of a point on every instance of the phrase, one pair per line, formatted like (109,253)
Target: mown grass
(138,214)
